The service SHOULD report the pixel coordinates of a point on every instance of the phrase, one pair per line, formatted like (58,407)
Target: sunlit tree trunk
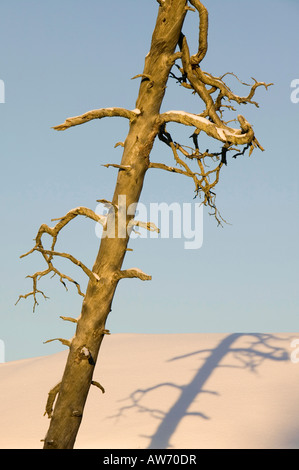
(90,330)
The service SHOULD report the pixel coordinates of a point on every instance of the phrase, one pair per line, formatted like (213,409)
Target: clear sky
(63,58)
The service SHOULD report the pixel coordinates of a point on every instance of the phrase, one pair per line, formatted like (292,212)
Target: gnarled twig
(203,32)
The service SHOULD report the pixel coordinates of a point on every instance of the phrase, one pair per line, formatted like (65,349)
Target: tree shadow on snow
(250,357)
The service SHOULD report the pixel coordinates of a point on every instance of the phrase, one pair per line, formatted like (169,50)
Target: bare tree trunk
(144,127)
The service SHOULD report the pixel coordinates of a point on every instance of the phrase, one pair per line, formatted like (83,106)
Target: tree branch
(218,83)
(63,221)
(49,254)
(34,291)
(133,273)
(203,32)
(199,79)
(97,114)
(71,319)
(92,276)
(65,342)
(97,384)
(150,226)
(51,398)
(198,86)
(120,167)
(202,179)
(162,166)
(224,134)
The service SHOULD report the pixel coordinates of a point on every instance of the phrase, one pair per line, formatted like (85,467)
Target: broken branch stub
(51,399)
(133,273)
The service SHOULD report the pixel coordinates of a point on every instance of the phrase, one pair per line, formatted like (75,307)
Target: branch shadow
(259,350)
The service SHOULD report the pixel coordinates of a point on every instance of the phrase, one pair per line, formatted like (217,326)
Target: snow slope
(177,391)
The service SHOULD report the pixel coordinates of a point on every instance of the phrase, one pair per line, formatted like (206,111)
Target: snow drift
(176,391)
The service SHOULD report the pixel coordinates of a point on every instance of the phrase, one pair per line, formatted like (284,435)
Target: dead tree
(168,46)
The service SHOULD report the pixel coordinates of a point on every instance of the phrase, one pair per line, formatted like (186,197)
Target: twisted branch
(210,120)
(203,32)
(202,179)
(225,134)
(63,221)
(198,80)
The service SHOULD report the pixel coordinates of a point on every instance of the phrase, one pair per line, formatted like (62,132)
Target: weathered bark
(90,330)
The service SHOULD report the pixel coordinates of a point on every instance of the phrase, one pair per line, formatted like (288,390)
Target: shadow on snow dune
(259,349)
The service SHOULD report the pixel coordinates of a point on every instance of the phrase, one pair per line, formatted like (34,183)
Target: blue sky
(63,58)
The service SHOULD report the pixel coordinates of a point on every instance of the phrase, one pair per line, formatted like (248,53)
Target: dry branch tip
(120,167)
(63,341)
(71,319)
(98,385)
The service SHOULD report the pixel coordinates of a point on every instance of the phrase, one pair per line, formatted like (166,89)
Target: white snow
(177,113)
(96,276)
(184,391)
(221,133)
